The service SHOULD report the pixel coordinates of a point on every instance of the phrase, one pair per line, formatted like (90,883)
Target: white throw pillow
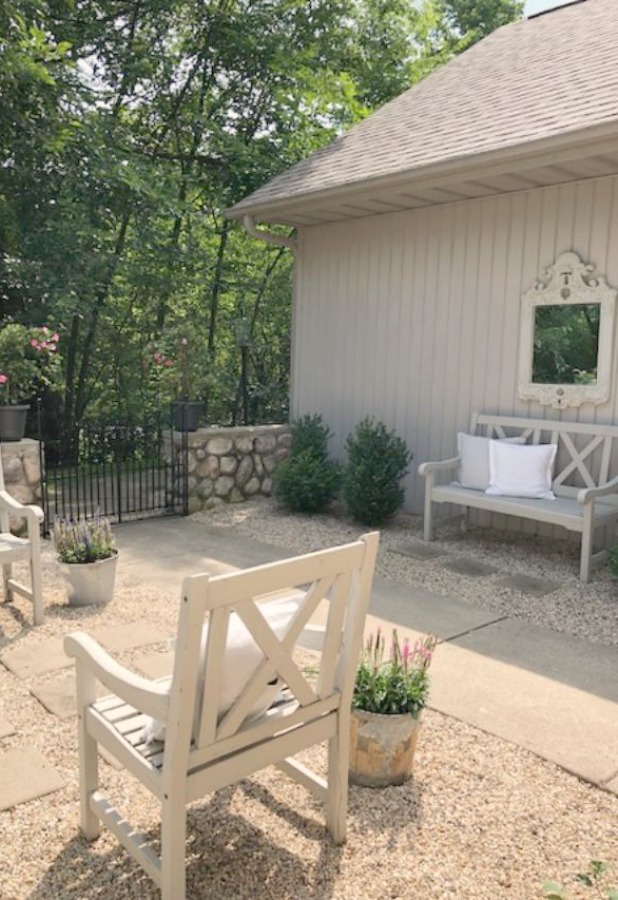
(240,662)
(473,452)
(516,471)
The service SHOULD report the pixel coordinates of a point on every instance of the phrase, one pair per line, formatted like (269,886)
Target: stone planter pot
(90,583)
(186,415)
(381,748)
(13,422)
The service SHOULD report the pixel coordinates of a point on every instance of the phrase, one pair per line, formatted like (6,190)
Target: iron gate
(123,472)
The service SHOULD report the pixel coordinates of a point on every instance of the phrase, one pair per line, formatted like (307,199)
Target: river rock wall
(230,464)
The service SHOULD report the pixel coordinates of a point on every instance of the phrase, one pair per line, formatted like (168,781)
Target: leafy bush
(307,481)
(377,461)
(310,433)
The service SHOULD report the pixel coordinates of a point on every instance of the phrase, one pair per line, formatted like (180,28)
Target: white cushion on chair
(521,471)
(240,662)
(474,454)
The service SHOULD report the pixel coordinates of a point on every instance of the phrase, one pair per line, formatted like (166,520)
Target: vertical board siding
(413,317)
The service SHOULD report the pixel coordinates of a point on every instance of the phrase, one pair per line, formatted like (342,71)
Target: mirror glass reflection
(566,343)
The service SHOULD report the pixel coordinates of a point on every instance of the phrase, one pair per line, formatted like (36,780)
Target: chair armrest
(147,696)
(586,495)
(15,508)
(443,465)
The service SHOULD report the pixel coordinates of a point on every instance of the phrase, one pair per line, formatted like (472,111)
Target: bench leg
(428,517)
(587,541)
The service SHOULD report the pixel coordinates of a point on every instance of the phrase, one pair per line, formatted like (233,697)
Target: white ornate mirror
(567,335)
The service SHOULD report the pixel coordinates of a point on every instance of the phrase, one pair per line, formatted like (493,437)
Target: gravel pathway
(481,818)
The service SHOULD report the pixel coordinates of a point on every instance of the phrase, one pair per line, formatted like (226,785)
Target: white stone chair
(217,710)
(13,549)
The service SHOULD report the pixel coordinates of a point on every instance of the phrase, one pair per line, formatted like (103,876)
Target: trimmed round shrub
(309,432)
(304,482)
(377,462)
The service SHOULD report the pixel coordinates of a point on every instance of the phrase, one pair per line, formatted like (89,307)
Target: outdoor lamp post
(242,331)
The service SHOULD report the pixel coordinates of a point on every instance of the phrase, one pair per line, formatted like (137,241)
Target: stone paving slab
(529,584)
(156,665)
(419,550)
(125,637)
(5,728)
(36,659)
(472,567)
(59,696)
(25,775)
(49,656)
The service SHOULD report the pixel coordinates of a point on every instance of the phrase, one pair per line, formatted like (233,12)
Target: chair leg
(35,574)
(173,848)
(88,756)
(7,571)
(337,802)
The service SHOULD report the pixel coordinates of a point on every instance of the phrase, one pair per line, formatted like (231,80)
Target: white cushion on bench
(521,471)
(474,454)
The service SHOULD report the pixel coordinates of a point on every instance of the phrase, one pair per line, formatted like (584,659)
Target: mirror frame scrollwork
(568,282)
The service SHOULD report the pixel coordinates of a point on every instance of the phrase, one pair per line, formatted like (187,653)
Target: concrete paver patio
(551,693)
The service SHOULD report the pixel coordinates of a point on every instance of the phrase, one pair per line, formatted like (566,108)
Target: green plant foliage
(310,433)
(84,541)
(595,877)
(398,685)
(306,483)
(377,461)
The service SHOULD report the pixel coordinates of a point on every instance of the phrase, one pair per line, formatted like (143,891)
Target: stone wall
(21,465)
(231,464)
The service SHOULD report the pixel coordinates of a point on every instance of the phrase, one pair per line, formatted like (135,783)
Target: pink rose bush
(29,361)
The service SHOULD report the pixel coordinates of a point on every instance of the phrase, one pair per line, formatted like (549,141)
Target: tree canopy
(128,129)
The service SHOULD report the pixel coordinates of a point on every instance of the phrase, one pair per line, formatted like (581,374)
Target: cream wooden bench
(209,743)
(586,494)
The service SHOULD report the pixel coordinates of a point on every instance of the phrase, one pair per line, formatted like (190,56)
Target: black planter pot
(13,422)
(186,415)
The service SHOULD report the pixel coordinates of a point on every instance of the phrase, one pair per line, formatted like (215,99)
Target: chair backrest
(587,454)
(196,732)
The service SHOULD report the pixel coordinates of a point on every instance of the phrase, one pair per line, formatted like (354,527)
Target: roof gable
(531,80)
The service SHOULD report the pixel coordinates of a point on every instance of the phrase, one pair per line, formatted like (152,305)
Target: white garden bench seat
(586,493)
(223,712)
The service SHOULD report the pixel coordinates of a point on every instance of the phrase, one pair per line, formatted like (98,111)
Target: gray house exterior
(419,230)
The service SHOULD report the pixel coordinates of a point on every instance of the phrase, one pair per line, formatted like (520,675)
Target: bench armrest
(444,465)
(586,495)
(149,697)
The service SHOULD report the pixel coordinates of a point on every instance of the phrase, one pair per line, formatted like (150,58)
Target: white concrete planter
(381,748)
(89,583)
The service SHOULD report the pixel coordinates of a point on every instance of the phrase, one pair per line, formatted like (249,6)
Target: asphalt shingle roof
(529,80)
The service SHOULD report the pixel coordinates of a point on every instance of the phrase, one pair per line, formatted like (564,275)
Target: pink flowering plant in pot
(389,697)
(28,362)
(397,685)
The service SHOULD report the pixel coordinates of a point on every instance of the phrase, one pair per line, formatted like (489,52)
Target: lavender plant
(398,685)
(84,541)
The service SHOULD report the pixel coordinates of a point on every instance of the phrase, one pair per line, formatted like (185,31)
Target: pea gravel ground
(480,819)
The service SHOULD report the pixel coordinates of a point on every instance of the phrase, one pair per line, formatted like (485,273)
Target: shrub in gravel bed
(307,481)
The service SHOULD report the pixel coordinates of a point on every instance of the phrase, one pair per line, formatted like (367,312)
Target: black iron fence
(122,471)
